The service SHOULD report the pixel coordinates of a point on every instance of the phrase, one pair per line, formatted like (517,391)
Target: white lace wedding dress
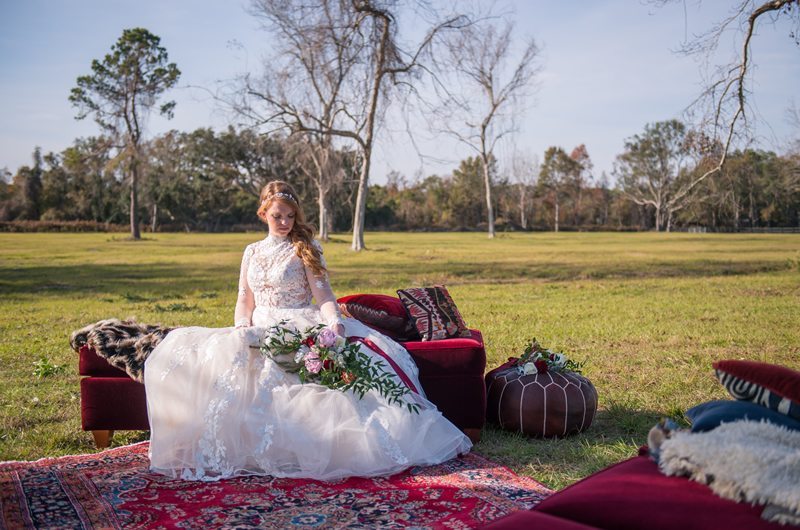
(218,408)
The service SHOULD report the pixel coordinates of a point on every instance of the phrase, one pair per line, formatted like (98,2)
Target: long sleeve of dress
(323,294)
(245,301)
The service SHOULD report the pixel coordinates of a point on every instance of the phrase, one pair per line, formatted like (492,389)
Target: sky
(607,68)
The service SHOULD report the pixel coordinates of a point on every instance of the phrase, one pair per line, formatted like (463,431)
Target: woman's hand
(338,328)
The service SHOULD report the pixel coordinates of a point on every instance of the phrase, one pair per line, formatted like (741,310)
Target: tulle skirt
(219,408)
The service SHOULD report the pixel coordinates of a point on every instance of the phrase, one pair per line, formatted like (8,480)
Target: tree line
(206,180)
(312,112)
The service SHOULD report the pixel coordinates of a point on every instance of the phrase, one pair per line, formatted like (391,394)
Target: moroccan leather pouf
(542,405)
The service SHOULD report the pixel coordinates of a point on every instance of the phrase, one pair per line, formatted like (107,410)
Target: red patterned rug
(115,489)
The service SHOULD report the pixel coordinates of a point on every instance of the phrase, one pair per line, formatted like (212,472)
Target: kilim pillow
(433,312)
(769,385)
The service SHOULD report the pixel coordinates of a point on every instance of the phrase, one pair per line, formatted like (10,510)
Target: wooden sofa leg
(102,439)
(473,434)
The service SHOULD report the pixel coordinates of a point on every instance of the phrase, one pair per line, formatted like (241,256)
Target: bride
(218,408)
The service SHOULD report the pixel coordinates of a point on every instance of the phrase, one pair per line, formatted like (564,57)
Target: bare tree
(793,117)
(331,76)
(483,109)
(525,173)
(655,166)
(723,103)
(322,165)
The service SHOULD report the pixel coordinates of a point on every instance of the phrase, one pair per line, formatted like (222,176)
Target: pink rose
(313,363)
(326,338)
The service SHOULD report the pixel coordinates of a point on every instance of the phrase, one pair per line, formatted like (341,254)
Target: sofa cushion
(433,312)
(450,357)
(769,385)
(712,414)
(634,494)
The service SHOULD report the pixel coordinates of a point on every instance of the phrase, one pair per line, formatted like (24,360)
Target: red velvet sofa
(451,372)
(633,495)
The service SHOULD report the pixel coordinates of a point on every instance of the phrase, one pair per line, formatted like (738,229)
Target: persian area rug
(115,489)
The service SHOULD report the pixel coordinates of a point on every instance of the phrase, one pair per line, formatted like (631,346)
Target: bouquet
(539,360)
(319,355)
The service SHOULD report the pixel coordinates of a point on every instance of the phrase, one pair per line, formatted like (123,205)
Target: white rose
(340,342)
(301,353)
(529,369)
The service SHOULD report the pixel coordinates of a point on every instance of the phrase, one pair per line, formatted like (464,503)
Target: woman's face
(280,218)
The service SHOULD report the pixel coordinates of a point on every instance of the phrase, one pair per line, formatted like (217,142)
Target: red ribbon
(399,371)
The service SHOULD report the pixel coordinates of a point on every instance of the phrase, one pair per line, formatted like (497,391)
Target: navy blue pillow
(711,414)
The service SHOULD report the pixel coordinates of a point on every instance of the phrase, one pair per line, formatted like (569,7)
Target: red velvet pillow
(379,311)
(635,494)
(772,386)
(433,312)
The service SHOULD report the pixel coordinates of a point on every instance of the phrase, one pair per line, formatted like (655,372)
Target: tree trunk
(134,199)
(487,182)
(359,216)
(523,219)
(154,220)
(323,213)
(659,219)
(556,216)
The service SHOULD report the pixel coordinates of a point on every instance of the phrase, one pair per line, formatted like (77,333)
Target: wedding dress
(219,408)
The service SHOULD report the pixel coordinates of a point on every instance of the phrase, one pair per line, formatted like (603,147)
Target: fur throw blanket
(755,462)
(125,344)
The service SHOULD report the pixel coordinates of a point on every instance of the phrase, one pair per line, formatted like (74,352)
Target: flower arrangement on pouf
(541,393)
(537,359)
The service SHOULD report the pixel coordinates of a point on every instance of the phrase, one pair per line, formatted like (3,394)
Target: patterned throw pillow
(433,312)
(769,385)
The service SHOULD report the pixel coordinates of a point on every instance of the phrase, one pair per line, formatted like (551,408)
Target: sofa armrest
(91,364)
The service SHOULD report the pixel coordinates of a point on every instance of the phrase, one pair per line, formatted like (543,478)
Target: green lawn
(648,312)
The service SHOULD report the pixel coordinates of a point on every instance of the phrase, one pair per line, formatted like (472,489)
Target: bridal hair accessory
(283,195)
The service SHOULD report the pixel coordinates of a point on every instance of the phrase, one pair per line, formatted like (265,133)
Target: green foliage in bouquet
(318,355)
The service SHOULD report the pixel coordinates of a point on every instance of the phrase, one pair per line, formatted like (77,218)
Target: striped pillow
(771,386)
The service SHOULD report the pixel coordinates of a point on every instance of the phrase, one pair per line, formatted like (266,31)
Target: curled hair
(302,233)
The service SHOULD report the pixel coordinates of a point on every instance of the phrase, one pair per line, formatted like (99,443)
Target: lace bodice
(274,277)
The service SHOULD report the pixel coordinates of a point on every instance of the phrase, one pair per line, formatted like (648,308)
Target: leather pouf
(541,405)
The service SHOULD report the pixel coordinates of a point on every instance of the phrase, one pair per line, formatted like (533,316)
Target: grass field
(648,313)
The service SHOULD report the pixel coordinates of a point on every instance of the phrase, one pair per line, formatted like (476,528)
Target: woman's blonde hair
(302,233)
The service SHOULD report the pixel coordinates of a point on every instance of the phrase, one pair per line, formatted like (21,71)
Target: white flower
(35,400)
(301,352)
(529,369)
(560,360)
(340,342)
